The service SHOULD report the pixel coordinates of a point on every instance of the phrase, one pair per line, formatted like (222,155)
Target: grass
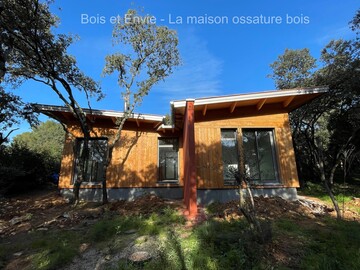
(336,249)
(327,245)
(321,243)
(344,194)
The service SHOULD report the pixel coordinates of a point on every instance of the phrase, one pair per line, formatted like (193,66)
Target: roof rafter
(260,104)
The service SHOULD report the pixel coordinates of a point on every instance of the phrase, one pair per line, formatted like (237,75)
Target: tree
(153,54)
(32,158)
(12,110)
(325,130)
(293,69)
(31,51)
(46,138)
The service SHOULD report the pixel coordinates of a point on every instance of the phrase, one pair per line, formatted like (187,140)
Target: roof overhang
(63,114)
(289,100)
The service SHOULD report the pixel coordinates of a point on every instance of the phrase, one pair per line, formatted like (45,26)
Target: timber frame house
(194,157)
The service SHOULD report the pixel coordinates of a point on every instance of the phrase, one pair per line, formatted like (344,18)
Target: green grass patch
(343,194)
(211,245)
(55,249)
(153,224)
(336,247)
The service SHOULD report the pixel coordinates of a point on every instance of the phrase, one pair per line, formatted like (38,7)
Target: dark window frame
(78,143)
(175,147)
(274,154)
(230,181)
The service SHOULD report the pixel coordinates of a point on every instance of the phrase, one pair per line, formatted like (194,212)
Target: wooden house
(198,155)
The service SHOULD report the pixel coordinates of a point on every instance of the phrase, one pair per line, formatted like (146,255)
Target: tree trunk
(82,166)
(328,187)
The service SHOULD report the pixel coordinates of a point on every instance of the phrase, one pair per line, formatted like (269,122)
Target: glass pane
(168,159)
(168,141)
(228,134)
(229,154)
(250,155)
(94,165)
(266,157)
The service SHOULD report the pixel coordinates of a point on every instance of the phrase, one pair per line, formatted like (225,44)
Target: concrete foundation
(209,196)
(204,197)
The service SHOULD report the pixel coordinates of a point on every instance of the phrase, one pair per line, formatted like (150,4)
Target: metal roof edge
(109,113)
(250,96)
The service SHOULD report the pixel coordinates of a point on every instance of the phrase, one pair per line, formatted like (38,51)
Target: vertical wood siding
(134,162)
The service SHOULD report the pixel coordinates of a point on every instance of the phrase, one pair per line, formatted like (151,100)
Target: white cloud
(198,76)
(342,32)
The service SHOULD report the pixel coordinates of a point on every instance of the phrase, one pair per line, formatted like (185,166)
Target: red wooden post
(189,160)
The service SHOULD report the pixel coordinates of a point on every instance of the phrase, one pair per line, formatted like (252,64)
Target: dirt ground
(47,210)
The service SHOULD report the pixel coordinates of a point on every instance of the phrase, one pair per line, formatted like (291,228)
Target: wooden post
(190,189)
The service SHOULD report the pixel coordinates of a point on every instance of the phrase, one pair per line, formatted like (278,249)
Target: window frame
(230,181)
(76,152)
(274,153)
(171,181)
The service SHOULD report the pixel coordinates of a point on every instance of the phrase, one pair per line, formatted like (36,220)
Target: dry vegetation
(42,231)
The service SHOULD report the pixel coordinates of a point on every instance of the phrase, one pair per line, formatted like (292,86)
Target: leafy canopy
(152,54)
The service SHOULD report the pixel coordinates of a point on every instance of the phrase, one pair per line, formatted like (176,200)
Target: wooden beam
(232,107)
(156,125)
(260,104)
(204,110)
(137,122)
(288,101)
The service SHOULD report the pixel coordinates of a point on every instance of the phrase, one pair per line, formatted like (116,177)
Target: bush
(23,169)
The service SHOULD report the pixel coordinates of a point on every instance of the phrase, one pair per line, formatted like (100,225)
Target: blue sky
(218,59)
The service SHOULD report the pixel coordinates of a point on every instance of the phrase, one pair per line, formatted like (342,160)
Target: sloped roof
(290,99)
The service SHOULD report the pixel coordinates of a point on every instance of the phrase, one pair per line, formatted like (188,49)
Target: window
(230,155)
(168,159)
(94,165)
(259,155)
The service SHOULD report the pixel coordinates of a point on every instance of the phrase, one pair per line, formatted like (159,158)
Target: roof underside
(257,103)
(64,115)
(289,100)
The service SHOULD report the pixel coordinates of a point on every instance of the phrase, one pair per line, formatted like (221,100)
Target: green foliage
(344,194)
(22,169)
(46,138)
(326,132)
(293,69)
(12,111)
(41,147)
(152,57)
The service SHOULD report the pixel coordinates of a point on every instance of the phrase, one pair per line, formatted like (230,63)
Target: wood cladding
(134,162)
(135,157)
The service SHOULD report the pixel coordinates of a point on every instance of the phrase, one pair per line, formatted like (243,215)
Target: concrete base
(204,197)
(209,196)
(128,194)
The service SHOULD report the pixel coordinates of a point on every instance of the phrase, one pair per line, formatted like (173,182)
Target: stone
(18,254)
(140,257)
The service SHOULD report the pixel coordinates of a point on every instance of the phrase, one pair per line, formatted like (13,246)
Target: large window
(94,165)
(259,154)
(168,159)
(230,155)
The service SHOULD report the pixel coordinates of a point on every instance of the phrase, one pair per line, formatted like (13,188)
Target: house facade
(199,156)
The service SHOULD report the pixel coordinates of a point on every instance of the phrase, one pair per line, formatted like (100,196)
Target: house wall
(208,144)
(134,167)
(135,158)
